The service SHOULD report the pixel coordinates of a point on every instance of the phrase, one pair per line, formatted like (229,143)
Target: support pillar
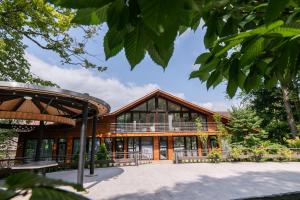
(39,141)
(170,148)
(155,148)
(92,159)
(81,159)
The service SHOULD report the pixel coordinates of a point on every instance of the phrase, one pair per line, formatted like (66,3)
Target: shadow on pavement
(248,184)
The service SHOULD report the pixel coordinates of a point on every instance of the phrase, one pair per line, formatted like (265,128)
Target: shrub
(258,153)
(215,155)
(284,154)
(102,154)
(236,153)
(294,143)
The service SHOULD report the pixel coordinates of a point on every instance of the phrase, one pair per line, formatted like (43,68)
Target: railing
(71,161)
(159,127)
(269,155)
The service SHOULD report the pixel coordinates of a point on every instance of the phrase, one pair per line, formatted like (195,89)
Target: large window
(185,145)
(30,149)
(143,145)
(159,110)
(46,150)
(88,146)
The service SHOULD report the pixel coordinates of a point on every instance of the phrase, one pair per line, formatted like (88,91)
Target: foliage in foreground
(248,42)
(38,187)
(46,27)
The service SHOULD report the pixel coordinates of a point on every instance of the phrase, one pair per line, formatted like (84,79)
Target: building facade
(155,126)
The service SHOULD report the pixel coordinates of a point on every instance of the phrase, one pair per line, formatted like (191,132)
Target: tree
(244,123)
(267,103)
(249,43)
(47,27)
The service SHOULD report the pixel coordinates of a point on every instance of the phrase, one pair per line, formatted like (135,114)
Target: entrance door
(163,148)
(147,147)
(61,150)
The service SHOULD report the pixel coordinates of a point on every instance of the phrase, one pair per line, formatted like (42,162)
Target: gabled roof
(168,96)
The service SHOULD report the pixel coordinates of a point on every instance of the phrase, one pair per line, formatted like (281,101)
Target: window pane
(147,147)
(184,108)
(178,143)
(185,117)
(143,117)
(128,118)
(141,107)
(76,146)
(162,104)
(151,104)
(163,152)
(173,106)
(161,117)
(121,118)
(30,148)
(136,117)
(46,150)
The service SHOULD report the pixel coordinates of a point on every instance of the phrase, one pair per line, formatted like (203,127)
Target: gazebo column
(83,129)
(39,141)
(92,160)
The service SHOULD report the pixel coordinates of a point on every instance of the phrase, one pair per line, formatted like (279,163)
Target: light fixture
(27,97)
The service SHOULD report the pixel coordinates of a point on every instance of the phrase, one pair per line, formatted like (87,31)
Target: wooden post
(170,148)
(92,159)
(39,142)
(155,148)
(81,159)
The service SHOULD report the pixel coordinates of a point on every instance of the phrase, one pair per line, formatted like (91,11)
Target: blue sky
(144,78)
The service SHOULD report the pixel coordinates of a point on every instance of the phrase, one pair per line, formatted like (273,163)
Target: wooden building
(155,125)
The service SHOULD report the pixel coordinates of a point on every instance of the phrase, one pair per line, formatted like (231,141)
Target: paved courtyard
(189,181)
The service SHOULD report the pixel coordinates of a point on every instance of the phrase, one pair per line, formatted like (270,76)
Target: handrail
(160,127)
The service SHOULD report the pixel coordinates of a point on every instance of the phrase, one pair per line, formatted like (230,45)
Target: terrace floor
(189,181)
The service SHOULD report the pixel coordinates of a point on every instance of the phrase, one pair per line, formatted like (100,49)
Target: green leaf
(80,3)
(228,46)
(54,194)
(275,7)
(252,50)
(213,78)
(202,75)
(113,42)
(202,58)
(91,16)
(135,44)
(252,81)
(231,88)
(24,180)
(160,56)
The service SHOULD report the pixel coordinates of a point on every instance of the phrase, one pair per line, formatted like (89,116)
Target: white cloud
(81,80)
(219,105)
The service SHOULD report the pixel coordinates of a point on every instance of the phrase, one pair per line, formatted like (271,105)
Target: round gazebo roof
(32,102)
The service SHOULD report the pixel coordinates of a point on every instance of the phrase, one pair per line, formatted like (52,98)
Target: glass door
(147,147)
(61,150)
(119,145)
(163,148)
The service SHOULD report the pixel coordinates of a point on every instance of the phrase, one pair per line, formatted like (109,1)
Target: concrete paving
(189,181)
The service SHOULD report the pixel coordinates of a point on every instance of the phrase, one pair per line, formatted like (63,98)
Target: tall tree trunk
(288,109)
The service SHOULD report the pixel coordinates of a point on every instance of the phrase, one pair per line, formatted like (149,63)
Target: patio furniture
(39,166)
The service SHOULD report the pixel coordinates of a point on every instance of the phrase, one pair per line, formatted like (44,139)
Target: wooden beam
(40,106)
(18,105)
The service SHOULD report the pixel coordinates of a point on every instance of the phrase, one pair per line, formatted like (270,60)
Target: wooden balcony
(175,127)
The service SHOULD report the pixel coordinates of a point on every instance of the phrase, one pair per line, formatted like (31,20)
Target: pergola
(55,106)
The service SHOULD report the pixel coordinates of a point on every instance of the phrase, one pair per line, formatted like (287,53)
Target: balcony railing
(159,127)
